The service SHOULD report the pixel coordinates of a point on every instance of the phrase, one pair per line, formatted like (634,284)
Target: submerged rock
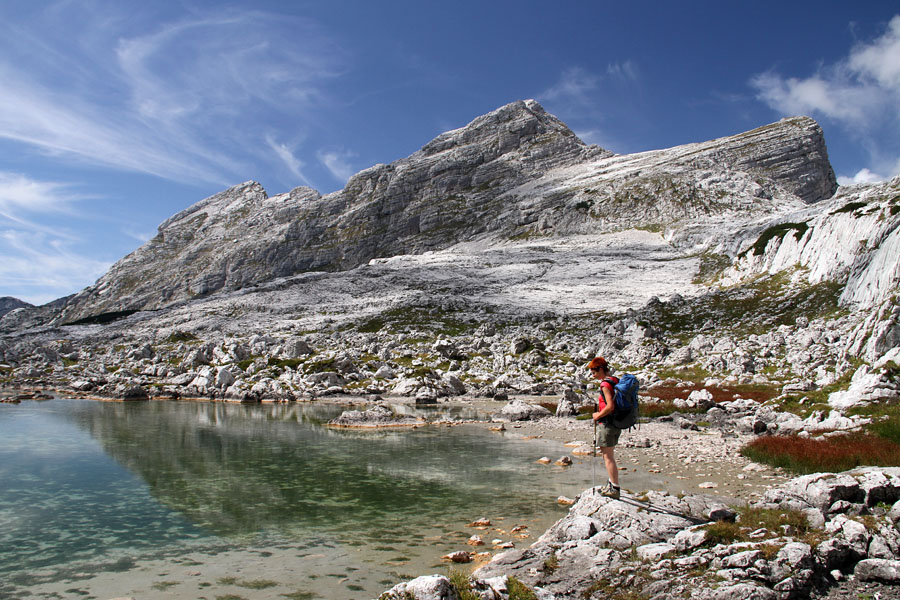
(377,416)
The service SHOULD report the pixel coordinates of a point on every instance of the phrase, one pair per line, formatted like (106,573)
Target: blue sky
(114,115)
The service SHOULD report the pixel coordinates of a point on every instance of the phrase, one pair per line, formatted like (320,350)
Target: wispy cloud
(180,100)
(861,93)
(585,98)
(338,163)
(626,70)
(286,154)
(36,257)
(576,86)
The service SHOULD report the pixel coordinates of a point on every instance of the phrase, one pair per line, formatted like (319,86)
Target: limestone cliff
(515,172)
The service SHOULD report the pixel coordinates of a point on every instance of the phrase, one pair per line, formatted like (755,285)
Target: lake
(212,500)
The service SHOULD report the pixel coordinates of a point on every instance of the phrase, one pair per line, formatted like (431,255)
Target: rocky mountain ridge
(517,171)
(8,303)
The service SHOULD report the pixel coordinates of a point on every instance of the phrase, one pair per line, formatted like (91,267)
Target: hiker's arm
(610,403)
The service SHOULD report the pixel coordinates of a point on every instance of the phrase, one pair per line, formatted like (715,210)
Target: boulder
(426,587)
(519,410)
(877,569)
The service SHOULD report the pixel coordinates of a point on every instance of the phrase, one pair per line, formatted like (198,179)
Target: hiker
(608,435)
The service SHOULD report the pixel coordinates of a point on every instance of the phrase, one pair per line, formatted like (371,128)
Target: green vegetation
(753,519)
(777,231)
(253,584)
(162,586)
(849,207)
(519,591)
(299,595)
(283,363)
(711,267)
(607,590)
(551,564)
(430,319)
(757,307)
(181,336)
(462,583)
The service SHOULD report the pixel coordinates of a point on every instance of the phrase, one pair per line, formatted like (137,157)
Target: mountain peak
(517,170)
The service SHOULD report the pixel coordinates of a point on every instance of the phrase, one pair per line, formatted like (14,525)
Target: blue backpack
(625,413)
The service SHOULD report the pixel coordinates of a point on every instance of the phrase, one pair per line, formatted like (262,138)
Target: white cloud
(34,255)
(880,60)
(862,176)
(338,163)
(861,93)
(42,265)
(19,193)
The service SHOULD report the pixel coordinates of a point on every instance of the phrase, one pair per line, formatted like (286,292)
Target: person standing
(608,435)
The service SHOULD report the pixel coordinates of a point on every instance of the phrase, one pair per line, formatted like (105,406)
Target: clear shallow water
(90,488)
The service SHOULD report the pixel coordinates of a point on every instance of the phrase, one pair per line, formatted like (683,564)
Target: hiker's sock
(613,486)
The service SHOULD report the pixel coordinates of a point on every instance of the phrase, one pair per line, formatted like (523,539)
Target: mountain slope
(517,171)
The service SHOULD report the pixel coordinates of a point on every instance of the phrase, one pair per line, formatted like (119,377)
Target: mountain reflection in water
(94,487)
(237,469)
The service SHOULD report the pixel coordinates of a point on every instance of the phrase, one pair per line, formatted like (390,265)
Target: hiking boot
(610,491)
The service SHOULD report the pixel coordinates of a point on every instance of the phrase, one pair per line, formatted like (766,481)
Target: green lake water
(207,500)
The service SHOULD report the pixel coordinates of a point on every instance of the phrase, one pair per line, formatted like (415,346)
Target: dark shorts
(607,435)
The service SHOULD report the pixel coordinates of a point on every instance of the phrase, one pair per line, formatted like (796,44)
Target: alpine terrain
(496,262)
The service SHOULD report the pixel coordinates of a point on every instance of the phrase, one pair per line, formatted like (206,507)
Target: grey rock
(377,416)
(519,410)
(876,569)
(743,591)
(426,587)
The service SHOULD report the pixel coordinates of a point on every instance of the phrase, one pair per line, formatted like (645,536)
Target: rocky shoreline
(759,535)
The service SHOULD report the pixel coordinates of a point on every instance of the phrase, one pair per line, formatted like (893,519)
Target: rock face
(516,171)
(444,193)
(8,303)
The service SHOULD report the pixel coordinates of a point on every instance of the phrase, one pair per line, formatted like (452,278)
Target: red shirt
(609,382)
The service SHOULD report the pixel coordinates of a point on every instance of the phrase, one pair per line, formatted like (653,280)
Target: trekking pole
(594,460)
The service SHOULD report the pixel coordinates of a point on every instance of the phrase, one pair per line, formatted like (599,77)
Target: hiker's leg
(612,469)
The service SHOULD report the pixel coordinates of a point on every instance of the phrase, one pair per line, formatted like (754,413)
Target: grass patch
(325,365)
(711,267)
(181,336)
(652,410)
(757,307)
(462,583)
(284,363)
(551,564)
(518,590)
(849,207)
(722,532)
(162,586)
(371,326)
(832,454)
(776,522)
(257,584)
(604,588)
